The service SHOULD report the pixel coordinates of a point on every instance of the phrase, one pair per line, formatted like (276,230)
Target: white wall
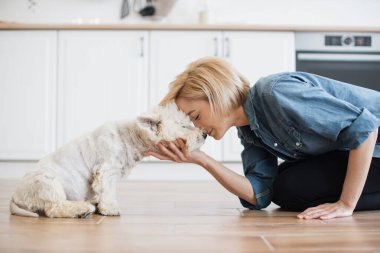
(286,12)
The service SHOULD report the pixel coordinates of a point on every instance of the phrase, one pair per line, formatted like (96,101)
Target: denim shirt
(296,115)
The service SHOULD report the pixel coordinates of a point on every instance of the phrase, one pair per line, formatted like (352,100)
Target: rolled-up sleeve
(359,130)
(260,168)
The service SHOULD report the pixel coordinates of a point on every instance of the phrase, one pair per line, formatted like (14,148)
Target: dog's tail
(16,210)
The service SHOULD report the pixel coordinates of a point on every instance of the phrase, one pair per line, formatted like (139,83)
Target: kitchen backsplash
(283,12)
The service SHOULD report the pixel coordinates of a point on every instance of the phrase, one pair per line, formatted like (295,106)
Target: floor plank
(185,217)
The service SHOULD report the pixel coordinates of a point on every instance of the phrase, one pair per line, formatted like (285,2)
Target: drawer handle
(142,47)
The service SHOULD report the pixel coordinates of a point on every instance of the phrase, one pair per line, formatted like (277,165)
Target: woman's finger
(183,146)
(308,212)
(317,214)
(320,211)
(178,152)
(177,143)
(329,216)
(304,213)
(167,152)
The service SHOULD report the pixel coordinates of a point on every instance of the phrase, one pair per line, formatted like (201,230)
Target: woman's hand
(177,151)
(327,211)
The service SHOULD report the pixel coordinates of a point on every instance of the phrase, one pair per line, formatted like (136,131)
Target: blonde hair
(211,79)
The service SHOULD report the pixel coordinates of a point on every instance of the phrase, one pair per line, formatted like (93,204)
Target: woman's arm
(233,182)
(359,162)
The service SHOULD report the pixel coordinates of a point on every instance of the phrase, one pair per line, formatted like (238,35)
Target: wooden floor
(185,217)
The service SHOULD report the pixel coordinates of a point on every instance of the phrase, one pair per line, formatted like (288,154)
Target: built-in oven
(349,57)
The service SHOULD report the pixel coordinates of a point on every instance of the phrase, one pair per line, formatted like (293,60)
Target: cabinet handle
(216,49)
(227,47)
(142,47)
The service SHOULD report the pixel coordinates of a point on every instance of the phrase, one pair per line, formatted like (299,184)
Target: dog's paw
(85,210)
(109,209)
(84,215)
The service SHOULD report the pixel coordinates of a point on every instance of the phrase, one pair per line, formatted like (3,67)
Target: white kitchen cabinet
(171,52)
(102,77)
(27,94)
(112,75)
(255,54)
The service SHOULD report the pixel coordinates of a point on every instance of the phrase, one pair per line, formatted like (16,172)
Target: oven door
(362,69)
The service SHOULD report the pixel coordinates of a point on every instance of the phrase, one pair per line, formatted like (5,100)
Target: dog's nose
(204,135)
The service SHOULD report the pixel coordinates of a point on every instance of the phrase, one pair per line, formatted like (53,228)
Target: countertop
(165,26)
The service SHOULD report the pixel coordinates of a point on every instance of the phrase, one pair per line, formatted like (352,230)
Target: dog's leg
(42,192)
(56,203)
(104,187)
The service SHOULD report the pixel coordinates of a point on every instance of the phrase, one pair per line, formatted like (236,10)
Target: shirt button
(275,144)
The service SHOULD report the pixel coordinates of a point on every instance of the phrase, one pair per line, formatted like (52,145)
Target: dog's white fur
(83,173)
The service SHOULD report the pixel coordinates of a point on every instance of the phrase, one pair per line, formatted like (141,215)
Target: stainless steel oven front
(349,57)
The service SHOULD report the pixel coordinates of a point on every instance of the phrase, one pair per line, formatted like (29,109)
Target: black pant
(319,180)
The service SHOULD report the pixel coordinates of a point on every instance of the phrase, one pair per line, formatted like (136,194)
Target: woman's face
(200,114)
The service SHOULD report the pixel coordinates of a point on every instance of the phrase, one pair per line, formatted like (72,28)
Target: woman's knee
(287,195)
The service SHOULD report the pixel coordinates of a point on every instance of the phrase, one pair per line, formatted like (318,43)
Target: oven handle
(339,57)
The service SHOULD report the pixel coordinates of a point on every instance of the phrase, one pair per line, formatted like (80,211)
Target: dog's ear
(148,122)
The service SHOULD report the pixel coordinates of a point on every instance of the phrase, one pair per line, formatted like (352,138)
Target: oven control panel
(357,41)
(337,42)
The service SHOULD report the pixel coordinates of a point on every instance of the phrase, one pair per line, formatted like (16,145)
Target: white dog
(83,173)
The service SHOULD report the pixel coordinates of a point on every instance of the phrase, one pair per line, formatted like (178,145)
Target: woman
(325,130)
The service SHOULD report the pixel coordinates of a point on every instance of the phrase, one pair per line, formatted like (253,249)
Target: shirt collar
(250,111)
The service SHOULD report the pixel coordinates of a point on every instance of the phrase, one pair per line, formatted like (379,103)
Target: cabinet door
(27,94)
(171,52)
(255,54)
(102,77)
